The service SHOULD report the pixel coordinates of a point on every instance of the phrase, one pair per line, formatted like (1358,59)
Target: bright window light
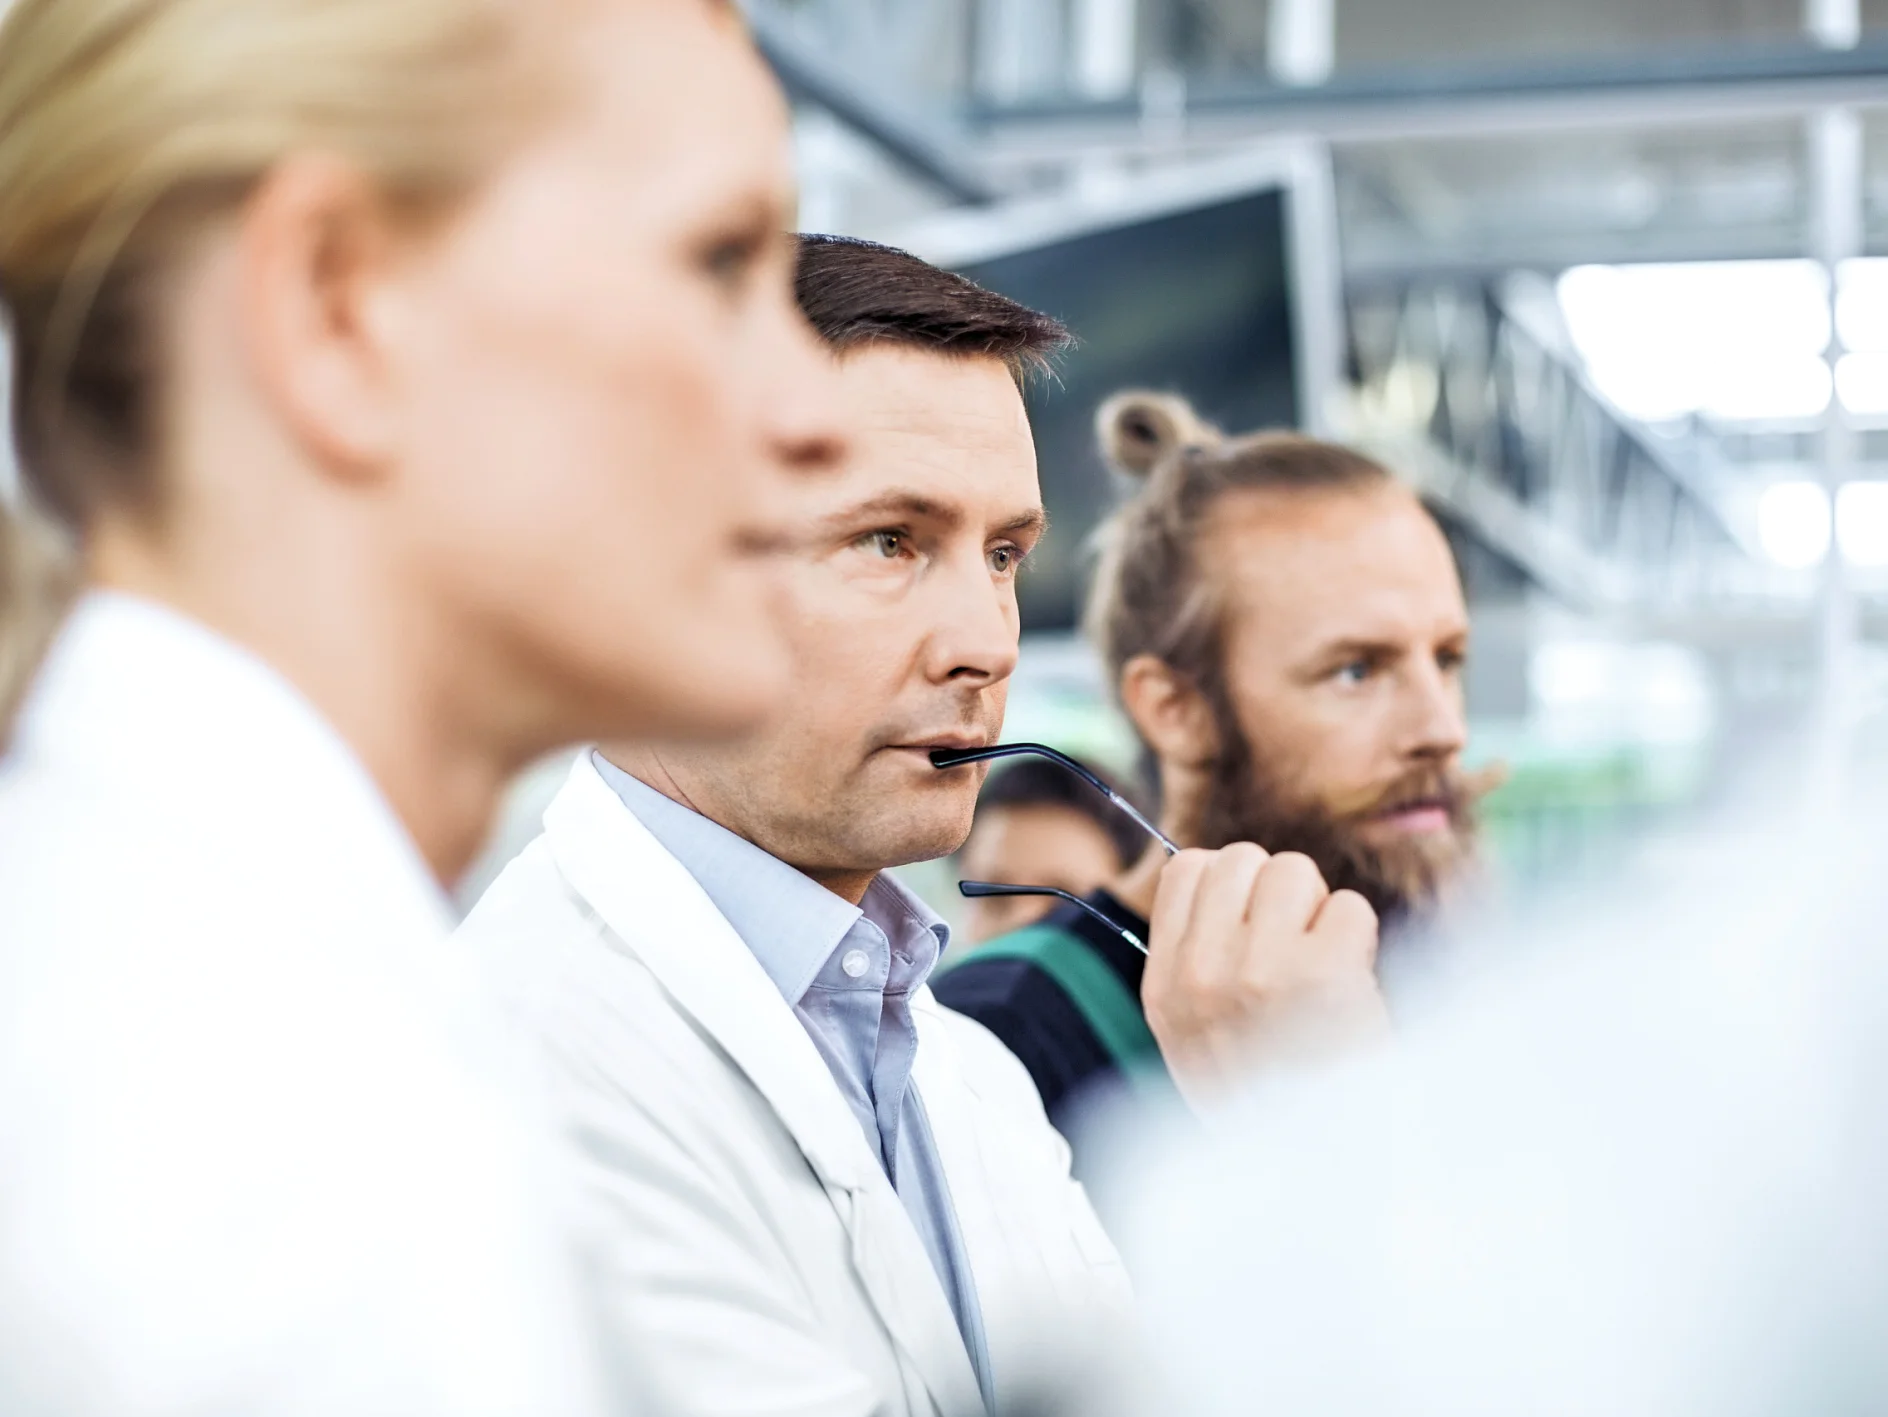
(1862,305)
(1651,390)
(1793,523)
(1738,340)
(1784,389)
(1862,382)
(1862,523)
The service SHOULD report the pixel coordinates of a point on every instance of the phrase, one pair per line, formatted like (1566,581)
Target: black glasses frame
(974,889)
(944,758)
(958,757)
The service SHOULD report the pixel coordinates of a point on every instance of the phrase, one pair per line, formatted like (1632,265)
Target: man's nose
(975,635)
(1437,725)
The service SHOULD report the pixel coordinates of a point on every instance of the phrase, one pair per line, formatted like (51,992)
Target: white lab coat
(256,1154)
(746,1228)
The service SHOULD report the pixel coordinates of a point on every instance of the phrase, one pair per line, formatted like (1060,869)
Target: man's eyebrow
(899,505)
(1036,520)
(916,506)
(1352,646)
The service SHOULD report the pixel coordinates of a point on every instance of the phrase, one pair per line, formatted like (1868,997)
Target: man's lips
(1414,817)
(956,742)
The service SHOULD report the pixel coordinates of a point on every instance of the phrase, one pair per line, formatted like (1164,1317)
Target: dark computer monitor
(1198,301)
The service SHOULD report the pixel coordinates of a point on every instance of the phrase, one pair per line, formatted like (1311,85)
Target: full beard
(1403,880)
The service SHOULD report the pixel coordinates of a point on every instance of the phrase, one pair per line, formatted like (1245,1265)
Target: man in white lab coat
(813,1189)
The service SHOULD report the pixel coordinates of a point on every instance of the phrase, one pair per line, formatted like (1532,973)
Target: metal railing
(1470,393)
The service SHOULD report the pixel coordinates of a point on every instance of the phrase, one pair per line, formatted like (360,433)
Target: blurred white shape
(1784,388)
(1862,304)
(1862,523)
(1301,41)
(1103,46)
(1631,1166)
(1793,523)
(1833,24)
(1862,382)
(1738,340)
(1648,387)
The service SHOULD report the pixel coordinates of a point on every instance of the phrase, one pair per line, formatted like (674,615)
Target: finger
(1346,924)
(1286,897)
(1164,1000)
(1216,945)
(1174,896)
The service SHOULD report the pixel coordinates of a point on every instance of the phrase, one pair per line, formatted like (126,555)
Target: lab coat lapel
(1009,1267)
(662,916)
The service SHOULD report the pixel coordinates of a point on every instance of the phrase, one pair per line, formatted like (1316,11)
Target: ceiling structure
(1476,151)
(1488,134)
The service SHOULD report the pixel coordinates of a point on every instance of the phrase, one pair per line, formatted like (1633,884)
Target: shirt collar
(790,922)
(910,925)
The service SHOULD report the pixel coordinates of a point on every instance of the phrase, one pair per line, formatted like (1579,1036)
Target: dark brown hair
(858,292)
(1036,782)
(1151,594)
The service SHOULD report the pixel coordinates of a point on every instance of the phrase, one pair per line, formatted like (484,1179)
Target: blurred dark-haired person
(1039,824)
(1283,622)
(819,1191)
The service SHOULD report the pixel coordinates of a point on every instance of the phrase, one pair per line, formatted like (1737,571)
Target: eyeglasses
(960,757)
(974,889)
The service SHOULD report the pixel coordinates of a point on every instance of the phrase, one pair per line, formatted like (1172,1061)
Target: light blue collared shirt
(849,973)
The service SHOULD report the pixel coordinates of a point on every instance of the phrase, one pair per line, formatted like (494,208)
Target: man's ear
(1171,714)
(317,246)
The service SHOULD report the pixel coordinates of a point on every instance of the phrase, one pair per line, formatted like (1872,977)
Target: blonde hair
(1151,593)
(125,125)
(37,580)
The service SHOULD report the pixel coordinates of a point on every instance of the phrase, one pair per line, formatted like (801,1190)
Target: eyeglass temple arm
(974,889)
(958,757)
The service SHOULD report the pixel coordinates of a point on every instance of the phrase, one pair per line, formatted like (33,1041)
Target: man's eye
(1004,559)
(1355,672)
(1450,660)
(889,544)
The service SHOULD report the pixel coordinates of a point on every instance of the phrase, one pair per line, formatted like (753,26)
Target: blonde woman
(418,379)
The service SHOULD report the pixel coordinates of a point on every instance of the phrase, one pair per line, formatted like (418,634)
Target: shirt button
(854,963)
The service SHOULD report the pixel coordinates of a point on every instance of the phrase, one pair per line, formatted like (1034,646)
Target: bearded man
(1283,622)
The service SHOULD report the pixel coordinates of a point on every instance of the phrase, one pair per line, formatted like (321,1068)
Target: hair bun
(1138,430)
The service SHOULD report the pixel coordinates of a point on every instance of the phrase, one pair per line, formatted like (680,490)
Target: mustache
(1454,789)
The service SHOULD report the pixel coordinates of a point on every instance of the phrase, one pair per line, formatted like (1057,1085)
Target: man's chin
(1411,871)
(1403,836)
(906,826)
(914,845)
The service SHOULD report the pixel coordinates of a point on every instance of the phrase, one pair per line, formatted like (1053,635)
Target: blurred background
(1608,281)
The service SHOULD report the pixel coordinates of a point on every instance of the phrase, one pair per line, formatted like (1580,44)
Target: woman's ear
(1170,713)
(317,242)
